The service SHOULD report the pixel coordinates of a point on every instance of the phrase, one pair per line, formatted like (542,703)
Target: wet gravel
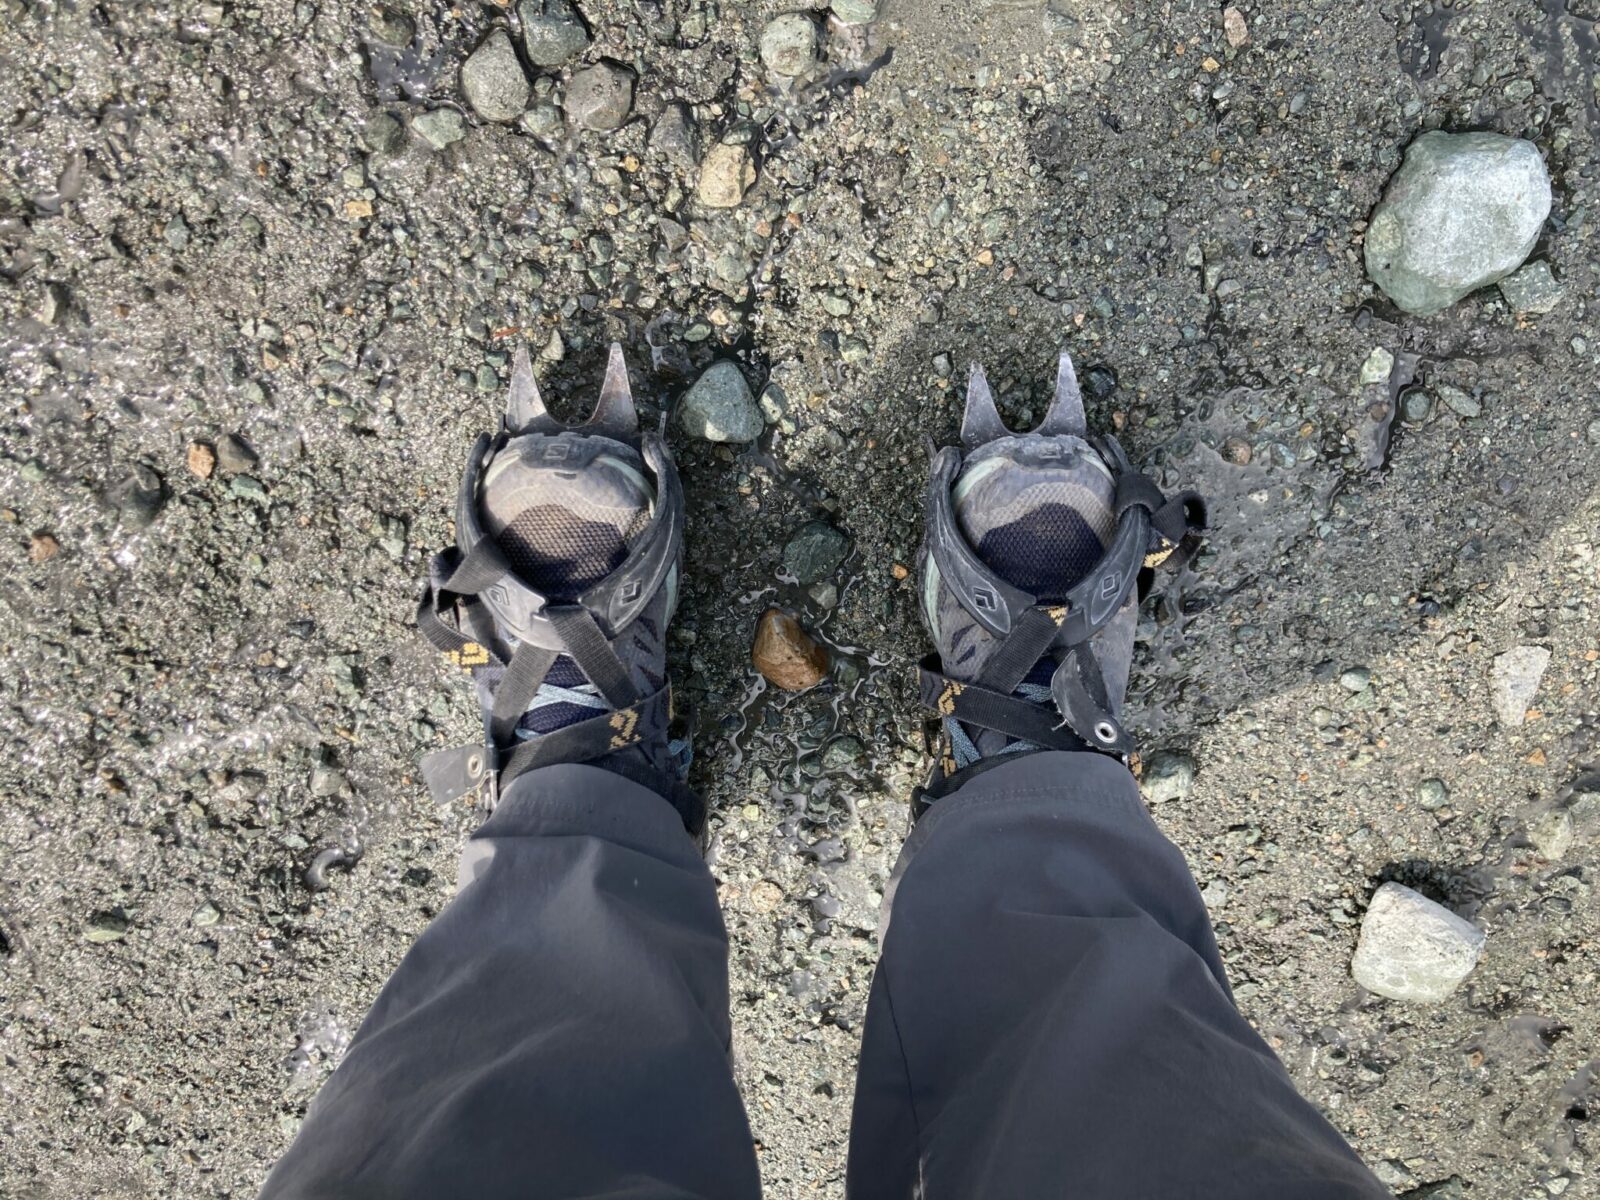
(283,232)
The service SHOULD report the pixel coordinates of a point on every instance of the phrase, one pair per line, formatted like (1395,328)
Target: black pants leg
(1050,1016)
(560,1030)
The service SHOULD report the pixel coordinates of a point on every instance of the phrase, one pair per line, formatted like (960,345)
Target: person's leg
(561,1029)
(1050,1015)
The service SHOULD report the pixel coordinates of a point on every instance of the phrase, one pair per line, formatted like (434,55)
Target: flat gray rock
(1413,949)
(1533,289)
(493,81)
(552,31)
(1463,211)
(1514,679)
(1166,777)
(600,97)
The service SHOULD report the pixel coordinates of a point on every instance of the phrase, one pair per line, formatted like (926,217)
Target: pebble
(106,927)
(201,460)
(725,176)
(1235,28)
(785,654)
(843,753)
(1463,211)
(42,547)
(814,551)
(542,121)
(1552,834)
(1415,406)
(1513,679)
(552,31)
(493,81)
(1355,680)
(382,133)
(600,97)
(1532,289)
(855,12)
(1432,794)
(1463,404)
(138,496)
(439,127)
(719,407)
(789,45)
(674,136)
(1413,949)
(391,28)
(1167,776)
(234,455)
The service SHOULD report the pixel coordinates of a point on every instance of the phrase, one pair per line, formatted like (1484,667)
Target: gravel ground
(261,268)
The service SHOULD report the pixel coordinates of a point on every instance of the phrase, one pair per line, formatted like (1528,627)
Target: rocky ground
(261,267)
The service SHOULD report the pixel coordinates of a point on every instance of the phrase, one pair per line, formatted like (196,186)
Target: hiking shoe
(1037,549)
(557,595)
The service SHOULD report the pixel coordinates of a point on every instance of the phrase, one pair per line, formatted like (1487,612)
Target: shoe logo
(1110,585)
(629,592)
(626,722)
(983,598)
(469,656)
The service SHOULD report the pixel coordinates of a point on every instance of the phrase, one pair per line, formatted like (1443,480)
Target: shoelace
(965,751)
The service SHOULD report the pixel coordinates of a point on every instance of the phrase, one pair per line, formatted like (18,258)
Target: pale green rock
(1463,211)
(1413,949)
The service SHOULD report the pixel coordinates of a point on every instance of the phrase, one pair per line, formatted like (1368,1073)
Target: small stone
(1415,406)
(138,497)
(1432,794)
(1463,211)
(1237,451)
(543,121)
(789,45)
(719,407)
(765,896)
(1532,289)
(104,927)
(1167,776)
(786,654)
(675,137)
(206,915)
(552,31)
(843,753)
(1378,367)
(1513,679)
(1552,834)
(725,176)
(1463,404)
(326,781)
(440,127)
(493,81)
(391,28)
(42,547)
(234,455)
(248,487)
(1413,949)
(382,133)
(1445,1189)
(814,551)
(1356,679)
(856,12)
(600,97)
(1235,28)
(201,459)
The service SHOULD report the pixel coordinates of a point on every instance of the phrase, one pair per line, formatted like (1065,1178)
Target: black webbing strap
(588,739)
(1029,640)
(478,568)
(973,704)
(582,641)
(526,671)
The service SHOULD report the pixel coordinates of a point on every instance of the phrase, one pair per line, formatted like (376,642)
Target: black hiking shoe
(557,595)
(1037,549)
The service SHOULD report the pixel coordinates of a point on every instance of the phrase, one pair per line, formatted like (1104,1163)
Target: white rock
(1413,949)
(1514,678)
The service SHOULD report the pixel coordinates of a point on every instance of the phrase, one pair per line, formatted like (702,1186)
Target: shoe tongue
(1038,511)
(564,530)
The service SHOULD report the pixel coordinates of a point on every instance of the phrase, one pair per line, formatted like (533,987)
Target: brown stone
(786,654)
(1234,25)
(42,547)
(202,460)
